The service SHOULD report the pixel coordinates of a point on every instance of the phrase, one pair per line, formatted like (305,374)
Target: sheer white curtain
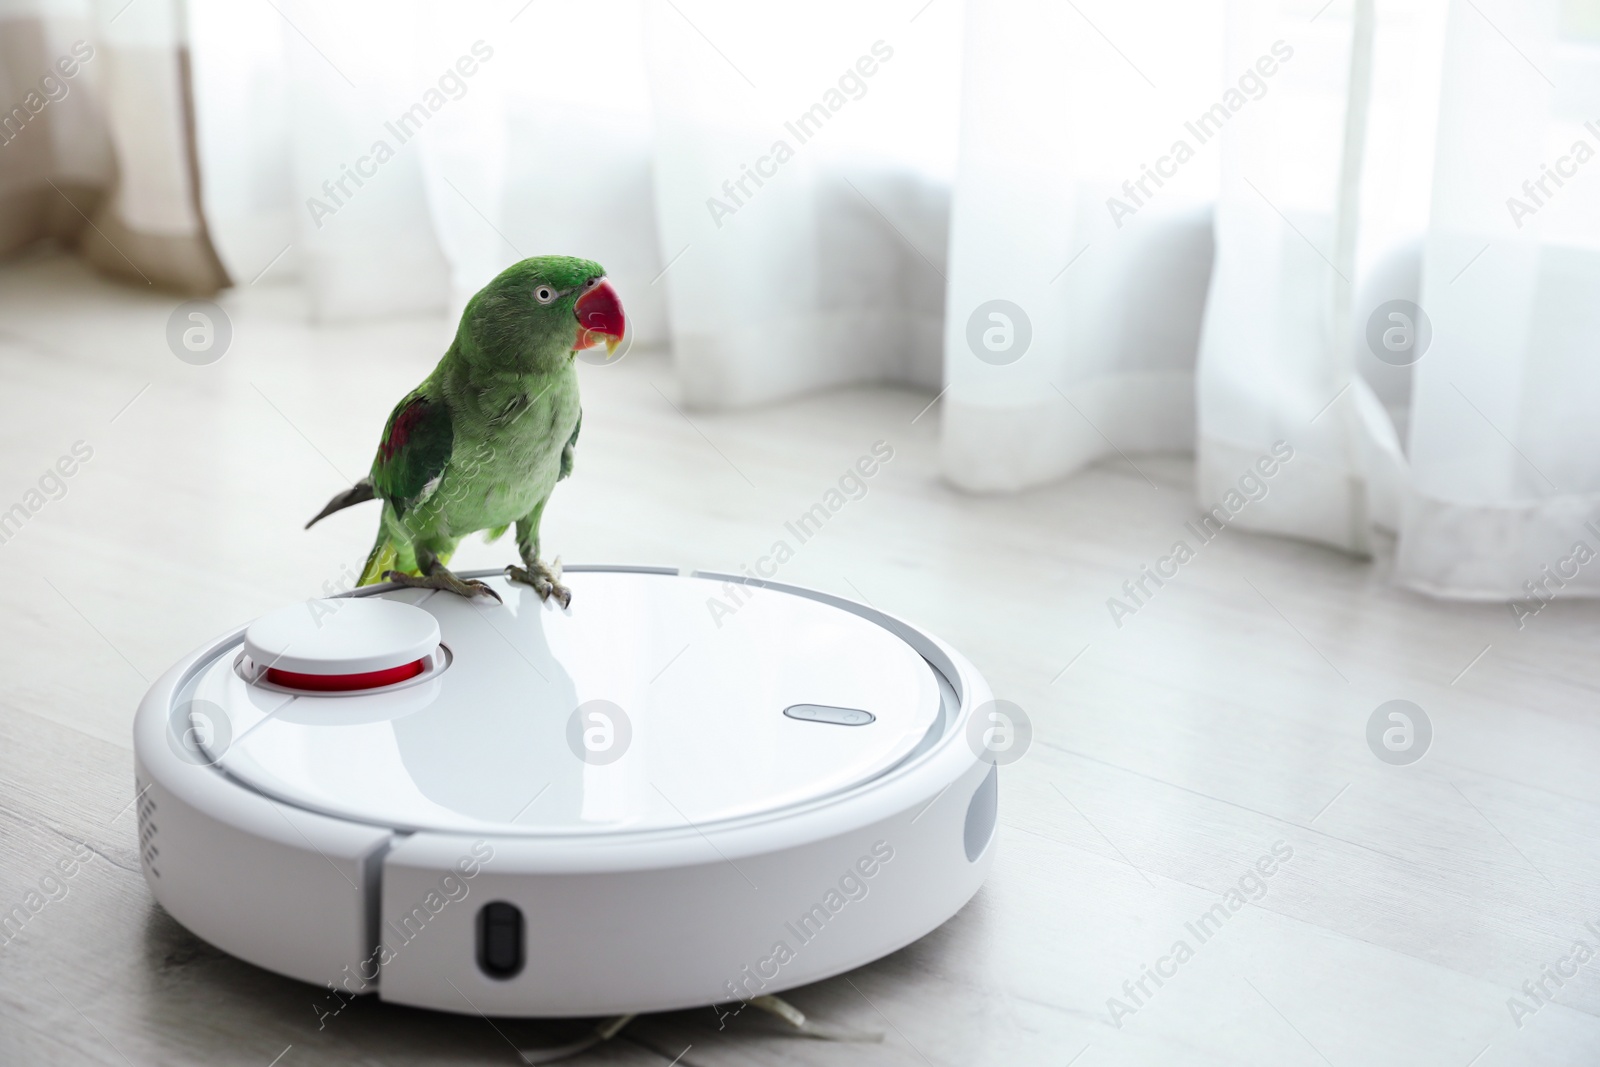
(1097,228)
(403,153)
(1101,268)
(1505,444)
(645,135)
(802,172)
(1417,121)
(1323,203)
(1103,237)
(1359,157)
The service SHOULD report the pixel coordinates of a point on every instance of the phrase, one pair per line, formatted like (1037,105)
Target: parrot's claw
(443,579)
(546,581)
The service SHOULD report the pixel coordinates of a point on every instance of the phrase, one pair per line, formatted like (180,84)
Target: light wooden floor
(1227,715)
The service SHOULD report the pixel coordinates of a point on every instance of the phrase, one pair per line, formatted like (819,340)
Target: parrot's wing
(416,446)
(566,451)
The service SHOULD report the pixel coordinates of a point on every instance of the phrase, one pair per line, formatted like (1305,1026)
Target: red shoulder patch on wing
(404,423)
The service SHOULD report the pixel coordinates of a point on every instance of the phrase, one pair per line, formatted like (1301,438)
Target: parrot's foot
(441,578)
(546,580)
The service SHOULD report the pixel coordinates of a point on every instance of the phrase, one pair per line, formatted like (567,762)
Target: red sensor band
(341,683)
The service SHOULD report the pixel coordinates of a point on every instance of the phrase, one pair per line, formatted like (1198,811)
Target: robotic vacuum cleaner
(685,790)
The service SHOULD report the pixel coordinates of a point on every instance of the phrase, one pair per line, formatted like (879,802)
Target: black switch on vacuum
(500,939)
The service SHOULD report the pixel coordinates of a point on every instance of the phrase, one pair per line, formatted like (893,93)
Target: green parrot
(482,442)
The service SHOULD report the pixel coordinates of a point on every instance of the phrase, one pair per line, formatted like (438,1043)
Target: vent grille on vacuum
(147,828)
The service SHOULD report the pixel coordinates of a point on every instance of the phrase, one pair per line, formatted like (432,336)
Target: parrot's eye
(544,294)
(591,283)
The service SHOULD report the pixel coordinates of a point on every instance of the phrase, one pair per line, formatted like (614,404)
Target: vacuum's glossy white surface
(692,728)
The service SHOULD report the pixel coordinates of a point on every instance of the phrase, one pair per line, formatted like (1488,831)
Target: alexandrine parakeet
(482,442)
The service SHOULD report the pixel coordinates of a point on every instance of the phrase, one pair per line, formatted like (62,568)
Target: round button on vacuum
(342,644)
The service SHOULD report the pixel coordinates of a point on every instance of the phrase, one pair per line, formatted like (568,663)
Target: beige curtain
(97,143)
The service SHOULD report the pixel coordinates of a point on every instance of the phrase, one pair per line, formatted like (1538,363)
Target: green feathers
(525,317)
(416,447)
(482,442)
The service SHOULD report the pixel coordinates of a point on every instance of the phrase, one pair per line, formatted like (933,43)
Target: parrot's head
(543,309)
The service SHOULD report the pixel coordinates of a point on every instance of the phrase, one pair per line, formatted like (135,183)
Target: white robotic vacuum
(685,790)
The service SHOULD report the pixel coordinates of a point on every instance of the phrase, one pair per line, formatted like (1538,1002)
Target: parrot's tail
(384,558)
(359,493)
(387,556)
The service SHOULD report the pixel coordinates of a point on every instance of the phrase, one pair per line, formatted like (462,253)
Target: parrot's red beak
(599,318)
